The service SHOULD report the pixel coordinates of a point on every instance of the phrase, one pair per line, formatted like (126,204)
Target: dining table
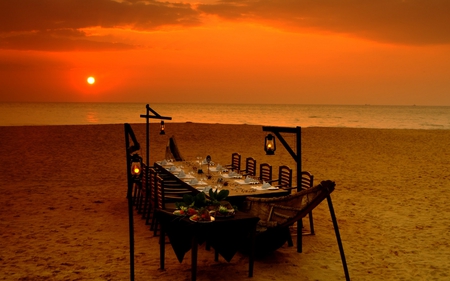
(217,178)
(225,235)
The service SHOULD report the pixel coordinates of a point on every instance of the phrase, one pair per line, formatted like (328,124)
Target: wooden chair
(149,212)
(235,162)
(138,192)
(265,172)
(143,196)
(307,182)
(278,213)
(284,177)
(167,194)
(250,167)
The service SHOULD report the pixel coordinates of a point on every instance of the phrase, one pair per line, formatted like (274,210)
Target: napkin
(232,174)
(173,168)
(164,162)
(248,180)
(265,185)
(193,181)
(206,190)
(181,174)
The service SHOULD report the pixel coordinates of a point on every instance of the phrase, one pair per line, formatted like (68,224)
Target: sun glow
(91,80)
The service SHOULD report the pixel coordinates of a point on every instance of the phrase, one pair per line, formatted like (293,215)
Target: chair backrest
(307,180)
(250,166)
(285,176)
(159,192)
(144,178)
(169,192)
(236,162)
(152,187)
(265,172)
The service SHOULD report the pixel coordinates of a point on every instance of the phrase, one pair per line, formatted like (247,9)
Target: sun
(91,80)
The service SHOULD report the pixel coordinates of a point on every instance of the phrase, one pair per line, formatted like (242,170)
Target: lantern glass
(136,165)
(163,128)
(269,145)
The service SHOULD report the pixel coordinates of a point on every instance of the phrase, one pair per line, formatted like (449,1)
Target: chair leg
(137,197)
(299,236)
(154,225)
(145,206)
(290,243)
(338,238)
(135,194)
(139,202)
(311,223)
(148,215)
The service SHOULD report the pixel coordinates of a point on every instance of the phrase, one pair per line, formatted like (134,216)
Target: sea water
(351,116)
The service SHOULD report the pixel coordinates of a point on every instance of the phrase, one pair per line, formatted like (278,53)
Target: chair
(265,172)
(306,183)
(250,167)
(142,196)
(167,194)
(138,192)
(235,162)
(149,212)
(284,177)
(278,213)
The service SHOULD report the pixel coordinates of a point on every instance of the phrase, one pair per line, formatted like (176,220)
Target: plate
(192,219)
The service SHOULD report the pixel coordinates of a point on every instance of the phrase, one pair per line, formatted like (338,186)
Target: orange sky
(253,51)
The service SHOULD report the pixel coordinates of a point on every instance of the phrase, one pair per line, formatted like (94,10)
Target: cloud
(56,25)
(47,24)
(59,41)
(411,22)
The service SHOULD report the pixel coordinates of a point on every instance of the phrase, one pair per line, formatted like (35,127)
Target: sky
(386,52)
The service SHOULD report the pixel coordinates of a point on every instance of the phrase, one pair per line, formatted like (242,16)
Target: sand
(63,211)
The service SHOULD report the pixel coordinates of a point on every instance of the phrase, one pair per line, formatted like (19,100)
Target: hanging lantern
(163,128)
(136,166)
(269,145)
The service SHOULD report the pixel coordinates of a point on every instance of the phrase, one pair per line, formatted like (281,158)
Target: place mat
(259,187)
(186,176)
(244,182)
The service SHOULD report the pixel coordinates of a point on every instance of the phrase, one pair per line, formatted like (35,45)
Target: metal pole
(338,237)
(148,141)
(298,159)
(130,198)
(130,216)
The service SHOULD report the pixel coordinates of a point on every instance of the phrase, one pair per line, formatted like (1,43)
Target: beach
(64,213)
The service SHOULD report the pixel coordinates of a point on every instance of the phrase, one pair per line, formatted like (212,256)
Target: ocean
(350,116)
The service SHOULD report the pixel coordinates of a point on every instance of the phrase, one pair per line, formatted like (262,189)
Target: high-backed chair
(265,172)
(137,194)
(284,177)
(143,195)
(307,182)
(250,167)
(235,162)
(167,194)
(150,210)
